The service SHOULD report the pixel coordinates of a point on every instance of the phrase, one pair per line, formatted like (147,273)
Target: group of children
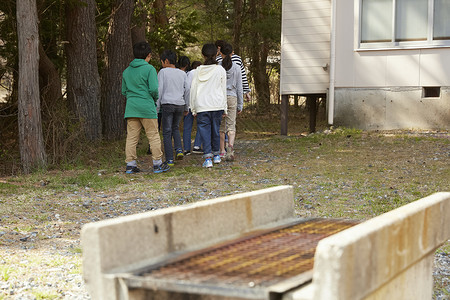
(212,92)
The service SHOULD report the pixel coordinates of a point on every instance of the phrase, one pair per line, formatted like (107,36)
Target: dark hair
(220,43)
(184,62)
(209,51)
(195,64)
(141,50)
(169,55)
(226,50)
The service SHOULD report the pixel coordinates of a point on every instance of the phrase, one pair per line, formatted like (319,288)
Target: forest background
(61,63)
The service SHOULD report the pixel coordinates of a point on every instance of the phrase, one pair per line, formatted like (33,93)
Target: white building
(383,64)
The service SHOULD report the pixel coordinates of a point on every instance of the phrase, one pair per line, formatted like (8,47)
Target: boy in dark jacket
(140,86)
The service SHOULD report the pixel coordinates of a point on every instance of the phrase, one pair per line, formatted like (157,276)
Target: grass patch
(8,188)
(93,180)
(44,295)
(5,273)
(444,249)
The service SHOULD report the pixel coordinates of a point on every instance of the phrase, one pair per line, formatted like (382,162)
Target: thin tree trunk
(83,81)
(160,12)
(118,56)
(138,30)
(259,52)
(138,34)
(50,81)
(237,26)
(32,149)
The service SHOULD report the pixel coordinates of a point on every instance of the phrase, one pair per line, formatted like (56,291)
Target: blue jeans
(187,131)
(208,124)
(171,116)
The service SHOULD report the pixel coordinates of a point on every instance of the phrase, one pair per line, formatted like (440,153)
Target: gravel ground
(44,261)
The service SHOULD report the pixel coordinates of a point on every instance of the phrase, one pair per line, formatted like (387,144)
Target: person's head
(209,51)
(170,56)
(226,51)
(184,63)
(219,44)
(195,64)
(141,50)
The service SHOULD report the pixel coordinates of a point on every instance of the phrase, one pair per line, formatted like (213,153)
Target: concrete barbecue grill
(251,246)
(259,266)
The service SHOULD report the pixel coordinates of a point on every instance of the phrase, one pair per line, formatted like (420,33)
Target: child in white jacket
(208,101)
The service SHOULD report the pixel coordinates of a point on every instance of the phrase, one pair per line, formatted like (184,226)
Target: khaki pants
(229,124)
(134,126)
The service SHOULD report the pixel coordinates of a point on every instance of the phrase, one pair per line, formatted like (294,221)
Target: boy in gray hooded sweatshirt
(235,102)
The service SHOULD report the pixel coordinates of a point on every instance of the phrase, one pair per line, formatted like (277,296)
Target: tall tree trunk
(259,53)
(118,56)
(83,81)
(237,26)
(32,149)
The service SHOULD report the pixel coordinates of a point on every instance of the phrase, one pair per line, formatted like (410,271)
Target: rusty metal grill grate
(259,260)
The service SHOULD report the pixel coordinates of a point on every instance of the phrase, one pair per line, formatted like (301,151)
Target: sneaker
(187,153)
(222,154)
(180,154)
(230,154)
(132,170)
(217,159)
(197,150)
(208,163)
(170,162)
(164,167)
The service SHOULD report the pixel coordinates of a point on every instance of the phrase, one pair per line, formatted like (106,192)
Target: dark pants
(208,124)
(187,131)
(171,116)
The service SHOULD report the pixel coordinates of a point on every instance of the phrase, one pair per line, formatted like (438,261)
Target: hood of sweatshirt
(205,72)
(137,62)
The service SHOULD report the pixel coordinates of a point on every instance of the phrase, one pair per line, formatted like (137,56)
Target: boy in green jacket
(140,86)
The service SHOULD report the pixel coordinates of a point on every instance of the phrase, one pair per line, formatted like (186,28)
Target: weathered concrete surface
(391,108)
(128,243)
(391,254)
(387,257)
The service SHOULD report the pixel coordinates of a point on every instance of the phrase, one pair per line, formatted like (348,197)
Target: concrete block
(356,108)
(132,242)
(416,282)
(383,253)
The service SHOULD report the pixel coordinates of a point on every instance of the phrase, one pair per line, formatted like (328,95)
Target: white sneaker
(208,163)
(217,159)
